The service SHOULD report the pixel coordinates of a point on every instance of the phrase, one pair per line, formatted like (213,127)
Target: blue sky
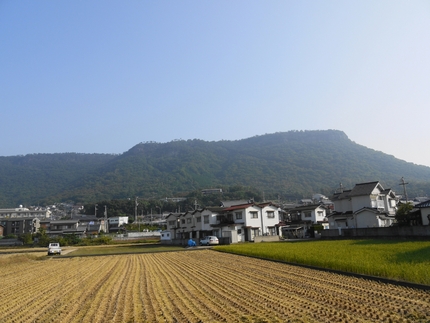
(102,76)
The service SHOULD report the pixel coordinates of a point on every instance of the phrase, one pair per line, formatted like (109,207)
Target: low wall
(389,232)
(266,238)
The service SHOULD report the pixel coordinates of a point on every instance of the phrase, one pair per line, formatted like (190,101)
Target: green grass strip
(394,259)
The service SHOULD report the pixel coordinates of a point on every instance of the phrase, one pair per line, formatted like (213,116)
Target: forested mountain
(285,165)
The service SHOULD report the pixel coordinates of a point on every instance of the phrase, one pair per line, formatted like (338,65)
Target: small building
(424,208)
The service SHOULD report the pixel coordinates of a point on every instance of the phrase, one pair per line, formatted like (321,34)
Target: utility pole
(135,208)
(404,188)
(95,210)
(106,221)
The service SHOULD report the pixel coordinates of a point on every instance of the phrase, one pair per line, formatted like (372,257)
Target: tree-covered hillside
(288,165)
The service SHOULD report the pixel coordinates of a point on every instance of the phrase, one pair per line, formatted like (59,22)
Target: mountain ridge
(290,164)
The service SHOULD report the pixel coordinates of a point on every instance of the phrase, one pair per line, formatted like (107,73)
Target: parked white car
(54,249)
(209,240)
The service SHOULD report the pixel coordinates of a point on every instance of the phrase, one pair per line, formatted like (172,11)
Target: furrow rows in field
(304,293)
(180,311)
(91,285)
(38,300)
(230,292)
(147,299)
(243,286)
(196,294)
(162,308)
(101,297)
(123,296)
(198,286)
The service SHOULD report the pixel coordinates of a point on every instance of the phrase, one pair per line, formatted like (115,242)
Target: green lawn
(394,259)
(120,249)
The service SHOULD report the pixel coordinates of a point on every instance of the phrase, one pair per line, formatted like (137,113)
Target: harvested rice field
(195,286)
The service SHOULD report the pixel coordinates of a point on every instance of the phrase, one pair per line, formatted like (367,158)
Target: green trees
(402,214)
(289,165)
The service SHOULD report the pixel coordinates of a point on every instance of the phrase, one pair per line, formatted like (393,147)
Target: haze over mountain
(285,165)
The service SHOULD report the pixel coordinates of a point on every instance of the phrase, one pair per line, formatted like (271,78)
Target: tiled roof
(306,207)
(423,204)
(238,207)
(364,188)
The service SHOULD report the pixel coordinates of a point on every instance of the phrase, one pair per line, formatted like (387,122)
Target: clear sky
(102,76)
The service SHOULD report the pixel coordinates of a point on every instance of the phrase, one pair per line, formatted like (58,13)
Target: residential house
(233,222)
(301,219)
(366,205)
(60,227)
(116,223)
(174,225)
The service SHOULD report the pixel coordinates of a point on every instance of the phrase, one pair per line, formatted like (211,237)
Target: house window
(238,215)
(256,232)
(215,233)
(239,231)
(183,221)
(272,231)
(206,219)
(308,214)
(270,214)
(254,215)
(199,219)
(189,220)
(172,223)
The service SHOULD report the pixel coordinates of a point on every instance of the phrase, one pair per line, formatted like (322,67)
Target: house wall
(425,213)
(253,222)
(358,202)
(343,205)
(366,220)
(207,227)
(270,223)
(388,205)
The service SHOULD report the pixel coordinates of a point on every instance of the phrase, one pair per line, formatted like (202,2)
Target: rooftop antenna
(403,183)
(340,187)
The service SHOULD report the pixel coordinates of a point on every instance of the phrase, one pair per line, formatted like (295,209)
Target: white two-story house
(366,205)
(237,222)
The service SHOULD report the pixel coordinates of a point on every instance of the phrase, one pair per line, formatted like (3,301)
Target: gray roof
(306,207)
(423,204)
(233,203)
(364,188)
(64,221)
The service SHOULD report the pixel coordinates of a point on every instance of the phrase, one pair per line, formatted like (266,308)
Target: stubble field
(195,286)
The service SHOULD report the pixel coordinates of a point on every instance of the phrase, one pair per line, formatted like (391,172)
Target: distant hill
(288,165)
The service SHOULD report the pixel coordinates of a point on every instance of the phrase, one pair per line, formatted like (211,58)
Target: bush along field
(394,259)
